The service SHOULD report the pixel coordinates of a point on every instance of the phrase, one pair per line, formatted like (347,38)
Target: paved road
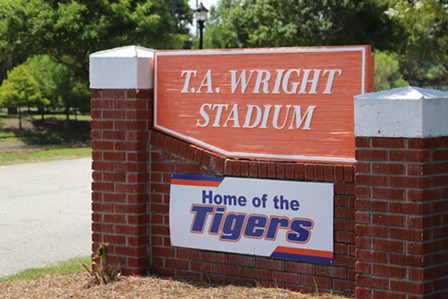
(44,213)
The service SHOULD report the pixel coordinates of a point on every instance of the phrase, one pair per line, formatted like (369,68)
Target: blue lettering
(233,226)
(255,226)
(301,230)
(200,215)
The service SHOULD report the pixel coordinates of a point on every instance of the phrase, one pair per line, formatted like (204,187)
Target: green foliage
(21,90)
(426,24)
(272,23)
(425,55)
(387,71)
(70,30)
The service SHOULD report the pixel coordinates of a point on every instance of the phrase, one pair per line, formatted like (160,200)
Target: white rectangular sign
(282,219)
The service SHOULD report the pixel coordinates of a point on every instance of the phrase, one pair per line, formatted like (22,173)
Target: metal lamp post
(201,16)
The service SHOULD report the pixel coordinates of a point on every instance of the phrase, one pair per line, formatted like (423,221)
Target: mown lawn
(43,140)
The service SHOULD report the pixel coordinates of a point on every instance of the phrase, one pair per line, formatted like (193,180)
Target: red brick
(321,282)
(114,93)
(388,143)
(362,141)
(300,171)
(328,172)
(271,170)
(253,169)
(139,93)
(344,285)
(389,271)
(405,260)
(229,269)
(410,156)
(334,272)
(101,104)
(203,267)
(96,93)
(363,167)
(257,274)
(270,264)
(236,167)
(362,267)
(131,104)
(290,170)
(296,267)
(244,168)
(102,145)
(177,264)
(280,170)
(405,234)
(217,258)
(102,124)
(371,256)
(388,220)
(413,287)
(388,245)
(240,260)
(372,180)
(262,169)
(388,295)
(349,174)
(281,277)
(387,168)
(372,231)
(371,155)
(372,282)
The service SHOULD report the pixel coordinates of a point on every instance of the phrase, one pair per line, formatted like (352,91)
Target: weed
(101,271)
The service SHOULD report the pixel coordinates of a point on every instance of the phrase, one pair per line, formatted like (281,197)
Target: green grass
(38,141)
(49,153)
(67,267)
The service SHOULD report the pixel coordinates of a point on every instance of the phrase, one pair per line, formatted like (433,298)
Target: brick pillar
(121,92)
(402,194)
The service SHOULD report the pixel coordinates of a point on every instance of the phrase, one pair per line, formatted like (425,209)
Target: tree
(70,30)
(425,53)
(272,23)
(19,90)
(59,84)
(387,71)
(426,24)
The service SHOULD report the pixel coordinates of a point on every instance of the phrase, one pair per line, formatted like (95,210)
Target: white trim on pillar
(129,67)
(410,112)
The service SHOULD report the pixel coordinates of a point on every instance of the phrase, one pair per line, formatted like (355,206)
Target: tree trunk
(42,112)
(20,118)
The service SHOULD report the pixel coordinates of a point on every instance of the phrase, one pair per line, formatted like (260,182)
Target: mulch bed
(81,286)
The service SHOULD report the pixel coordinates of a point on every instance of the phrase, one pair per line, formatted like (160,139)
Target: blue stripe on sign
(305,258)
(197,177)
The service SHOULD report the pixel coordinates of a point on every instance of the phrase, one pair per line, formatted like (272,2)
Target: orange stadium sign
(275,104)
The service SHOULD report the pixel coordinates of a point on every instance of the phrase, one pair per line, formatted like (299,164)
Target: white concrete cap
(411,112)
(127,67)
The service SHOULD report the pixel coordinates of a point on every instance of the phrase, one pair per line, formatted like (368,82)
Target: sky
(207,3)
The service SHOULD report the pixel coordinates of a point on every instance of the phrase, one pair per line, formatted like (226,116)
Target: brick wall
(402,218)
(132,165)
(390,240)
(170,155)
(120,189)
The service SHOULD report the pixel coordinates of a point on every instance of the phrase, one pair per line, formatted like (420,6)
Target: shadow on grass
(76,133)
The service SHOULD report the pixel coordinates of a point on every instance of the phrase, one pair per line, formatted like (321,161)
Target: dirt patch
(80,286)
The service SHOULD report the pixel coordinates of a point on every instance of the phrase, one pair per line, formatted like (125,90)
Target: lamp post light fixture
(201,16)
